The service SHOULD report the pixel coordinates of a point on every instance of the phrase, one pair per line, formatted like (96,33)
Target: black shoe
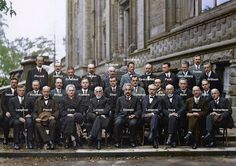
(206,139)
(5,141)
(30,145)
(132,144)
(117,145)
(195,145)
(169,140)
(51,144)
(16,146)
(188,138)
(155,143)
(218,132)
(211,144)
(98,145)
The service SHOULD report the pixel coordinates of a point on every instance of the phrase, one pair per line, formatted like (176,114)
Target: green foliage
(6,7)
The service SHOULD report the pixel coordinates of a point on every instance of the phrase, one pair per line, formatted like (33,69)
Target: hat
(44,116)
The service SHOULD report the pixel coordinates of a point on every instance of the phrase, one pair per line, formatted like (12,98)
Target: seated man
(46,113)
(99,108)
(71,117)
(197,109)
(128,111)
(220,116)
(151,106)
(22,118)
(173,109)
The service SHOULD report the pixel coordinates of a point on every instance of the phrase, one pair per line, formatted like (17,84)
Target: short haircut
(14,78)
(167,63)
(36,81)
(70,68)
(183,79)
(98,88)
(20,87)
(39,56)
(46,87)
(185,63)
(130,64)
(58,79)
(70,86)
(127,84)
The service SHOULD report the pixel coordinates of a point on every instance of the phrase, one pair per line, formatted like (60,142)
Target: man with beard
(128,111)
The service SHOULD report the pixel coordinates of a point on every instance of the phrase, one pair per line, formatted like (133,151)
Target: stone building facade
(107,32)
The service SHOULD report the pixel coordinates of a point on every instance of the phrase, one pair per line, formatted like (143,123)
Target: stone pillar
(140,24)
(121,30)
(232,91)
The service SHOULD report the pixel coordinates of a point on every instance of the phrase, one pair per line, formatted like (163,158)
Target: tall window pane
(207,5)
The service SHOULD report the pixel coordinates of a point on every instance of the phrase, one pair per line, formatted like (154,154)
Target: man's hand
(8,114)
(28,116)
(148,115)
(213,113)
(173,114)
(131,116)
(70,115)
(103,116)
(38,120)
(196,114)
(189,114)
(51,118)
(22,120)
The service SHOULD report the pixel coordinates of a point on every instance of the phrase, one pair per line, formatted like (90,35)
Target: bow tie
(151,97)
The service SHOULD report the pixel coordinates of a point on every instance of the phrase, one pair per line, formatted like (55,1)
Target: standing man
(168,77)
(197,108)
(206,91)
(6,117)
(184,92)
(211,77)
(148,78)
(173,109)
(138,91)
(22,118)
(111,74)
(126,78)
(56,74)
(58,93)
(71,78)
(185,73)
(38,73)
(220,116)
(46,114)
(128,111)
(197,68)
(94,79)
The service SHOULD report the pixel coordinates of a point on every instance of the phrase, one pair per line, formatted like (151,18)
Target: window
(209,4)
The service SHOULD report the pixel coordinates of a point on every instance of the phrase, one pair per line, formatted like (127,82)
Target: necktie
(39,70)
(113,89)
(196,100)
(21,99)
(150,99)
(59,91)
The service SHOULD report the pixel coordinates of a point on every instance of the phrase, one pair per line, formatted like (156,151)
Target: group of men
(64,106)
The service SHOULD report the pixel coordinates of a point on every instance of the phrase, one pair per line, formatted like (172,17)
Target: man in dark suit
(45,114)
(22,118)
(111,73)
(173,109)
(168,77)
(33,95)
(71,117)
(148,78)
(197,68)
(206,91)
(159,91)
(126,78)
(151,108)
(56,74)
(6,117)
(211,77)
(58,93)
(220,116)
(38,73)
(94,79)
(138,91)
(197,109)
(99,113)
(71,78)
(185,73)
(128,111)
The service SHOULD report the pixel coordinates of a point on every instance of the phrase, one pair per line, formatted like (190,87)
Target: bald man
(57,73)
(197,109)
(220,116)
(148,78)
(94,79)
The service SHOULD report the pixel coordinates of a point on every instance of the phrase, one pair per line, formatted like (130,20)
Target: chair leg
(143,137)
(226,137)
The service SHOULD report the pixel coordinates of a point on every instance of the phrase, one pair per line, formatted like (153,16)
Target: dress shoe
(169,140)
(218,132)
(5,141)
(98,145)
(195,145)
(211,144)
(206,139)
(30,145)
(46,146)
(16,146)
(51,145)
(117,145)
(132,144)
(188,138)
(155,143)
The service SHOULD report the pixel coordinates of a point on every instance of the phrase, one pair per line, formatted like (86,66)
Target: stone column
(140,24)
(232,91)
(121,30)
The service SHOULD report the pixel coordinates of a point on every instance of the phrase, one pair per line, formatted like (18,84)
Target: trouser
(99,124)
(41,133)
(90,119)
(153,121)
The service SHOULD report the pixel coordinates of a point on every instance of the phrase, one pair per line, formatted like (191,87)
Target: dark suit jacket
(197,73)
(173,80)
(51,108)
(35,75)
(214,81)
(155,105)
(202,104)
(113,96)
(84,100)
(223,104)
(146,80)
(5,98)
(102,103)
(177,104)
(52,77)
(94,80)
(207,96)
(122,103)
(75,81)
(106,82)
(190,77)
(18,110)
(69,106)
(185,95)
(58,96)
